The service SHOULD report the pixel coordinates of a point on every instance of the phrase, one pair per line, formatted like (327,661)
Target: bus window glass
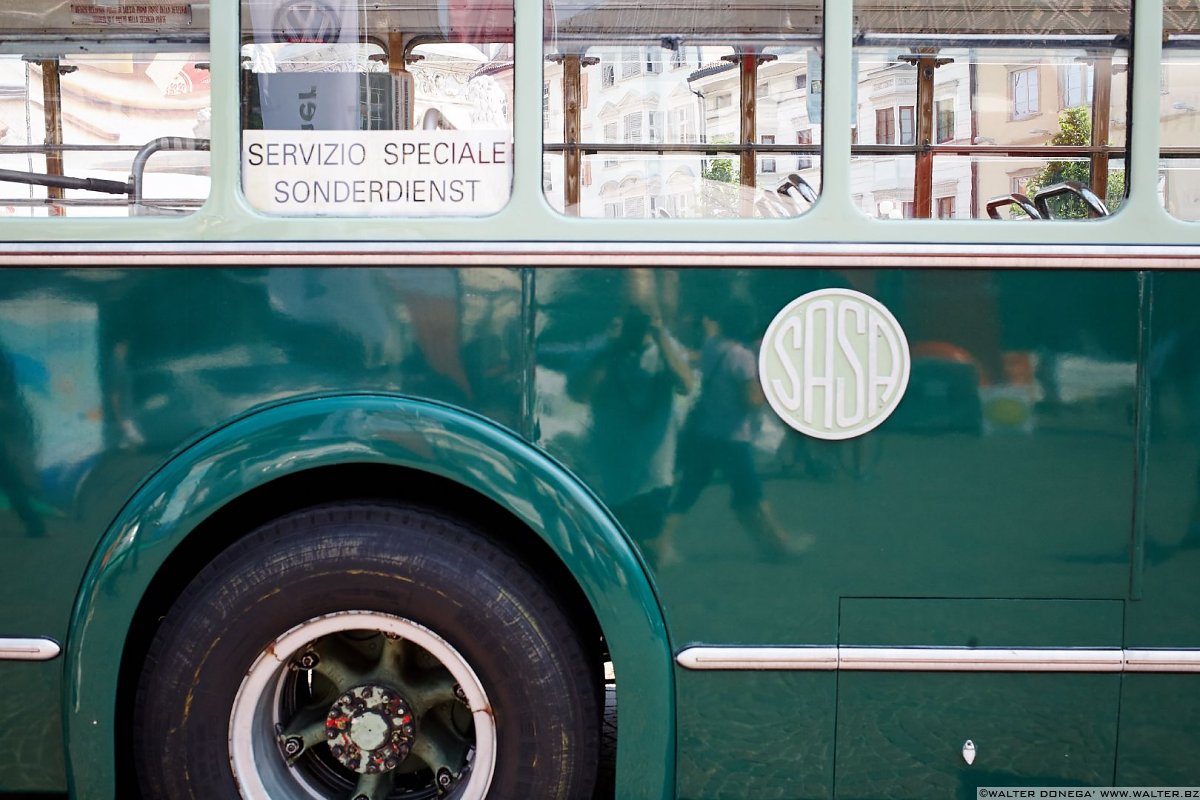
(659,111)
(1179,175)
(396,109)
(104,109)
(966,110)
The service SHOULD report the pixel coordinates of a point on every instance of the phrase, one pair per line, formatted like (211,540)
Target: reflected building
(995,106)
(109,105)
(676,95)
(982,100)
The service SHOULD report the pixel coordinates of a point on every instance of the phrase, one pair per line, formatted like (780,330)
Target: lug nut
(292,746)
(444,778)
(308,660)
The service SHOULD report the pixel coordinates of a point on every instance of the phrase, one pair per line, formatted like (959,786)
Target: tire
(366,651)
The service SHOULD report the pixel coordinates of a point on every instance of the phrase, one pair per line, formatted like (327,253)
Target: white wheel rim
(253,753)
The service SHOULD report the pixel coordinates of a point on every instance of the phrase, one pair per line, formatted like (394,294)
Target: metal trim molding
(29,649)
(1147,660)
(939,659)
(748,658)
(972,659)
(607,254)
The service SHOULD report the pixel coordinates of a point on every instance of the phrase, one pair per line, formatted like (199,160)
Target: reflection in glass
(651,186)
(50,394)
(409,107)
(632,96)
(966,187)
(115,127)
(1179,187)
(977,97)
(635,379)
(1179,120)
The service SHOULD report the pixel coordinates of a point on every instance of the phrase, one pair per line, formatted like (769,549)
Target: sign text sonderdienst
(377,173)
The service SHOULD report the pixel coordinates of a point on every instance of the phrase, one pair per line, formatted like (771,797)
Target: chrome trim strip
(613,254)
(29,649)
(1148,660)
(939,659)
(978,659)
(746,658)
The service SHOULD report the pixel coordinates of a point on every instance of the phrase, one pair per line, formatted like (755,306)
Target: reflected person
(719,435)
(17,447)
(634,383)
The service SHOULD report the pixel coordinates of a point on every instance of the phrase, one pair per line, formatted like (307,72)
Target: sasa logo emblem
(834,364)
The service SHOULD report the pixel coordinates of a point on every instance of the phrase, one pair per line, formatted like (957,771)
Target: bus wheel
(363,652)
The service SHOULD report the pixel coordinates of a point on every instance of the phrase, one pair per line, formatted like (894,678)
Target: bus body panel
(996,503)
(1167,611)
(110,376)
(107,372)
(36,762)
(1031,728)
(1160,714)
(997,506)
(1160,730)
(1005,472)
(1034,495)
(756,734)
(310,434)
(1028,730)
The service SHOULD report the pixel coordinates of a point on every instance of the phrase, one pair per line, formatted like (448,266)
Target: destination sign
(377,173)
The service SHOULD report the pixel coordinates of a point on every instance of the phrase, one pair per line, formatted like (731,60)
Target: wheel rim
(360,704)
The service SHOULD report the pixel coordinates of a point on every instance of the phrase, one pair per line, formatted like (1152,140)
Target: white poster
(377,173)
(310,101)
(310,92)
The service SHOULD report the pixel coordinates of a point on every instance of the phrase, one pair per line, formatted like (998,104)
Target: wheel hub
(370,729)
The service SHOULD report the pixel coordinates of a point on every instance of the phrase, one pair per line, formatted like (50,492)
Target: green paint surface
(995,506)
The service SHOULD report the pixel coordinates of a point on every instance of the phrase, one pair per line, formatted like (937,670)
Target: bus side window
(704,121)
(107,123)
(385,111)
(1179,122)
(958,112)
(302,86)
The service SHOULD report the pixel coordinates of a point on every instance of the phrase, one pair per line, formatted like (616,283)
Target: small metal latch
(968,752)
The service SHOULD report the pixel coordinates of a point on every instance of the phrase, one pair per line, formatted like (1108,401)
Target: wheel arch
(390,447)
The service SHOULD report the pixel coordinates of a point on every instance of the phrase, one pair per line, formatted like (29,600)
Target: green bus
(385,413)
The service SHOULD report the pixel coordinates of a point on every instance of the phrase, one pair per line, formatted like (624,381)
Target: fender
(304,434)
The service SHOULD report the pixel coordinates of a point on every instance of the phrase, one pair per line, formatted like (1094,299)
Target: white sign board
(377,173)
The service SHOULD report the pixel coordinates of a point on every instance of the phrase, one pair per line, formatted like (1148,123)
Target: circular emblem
(307,21)
(834,364)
